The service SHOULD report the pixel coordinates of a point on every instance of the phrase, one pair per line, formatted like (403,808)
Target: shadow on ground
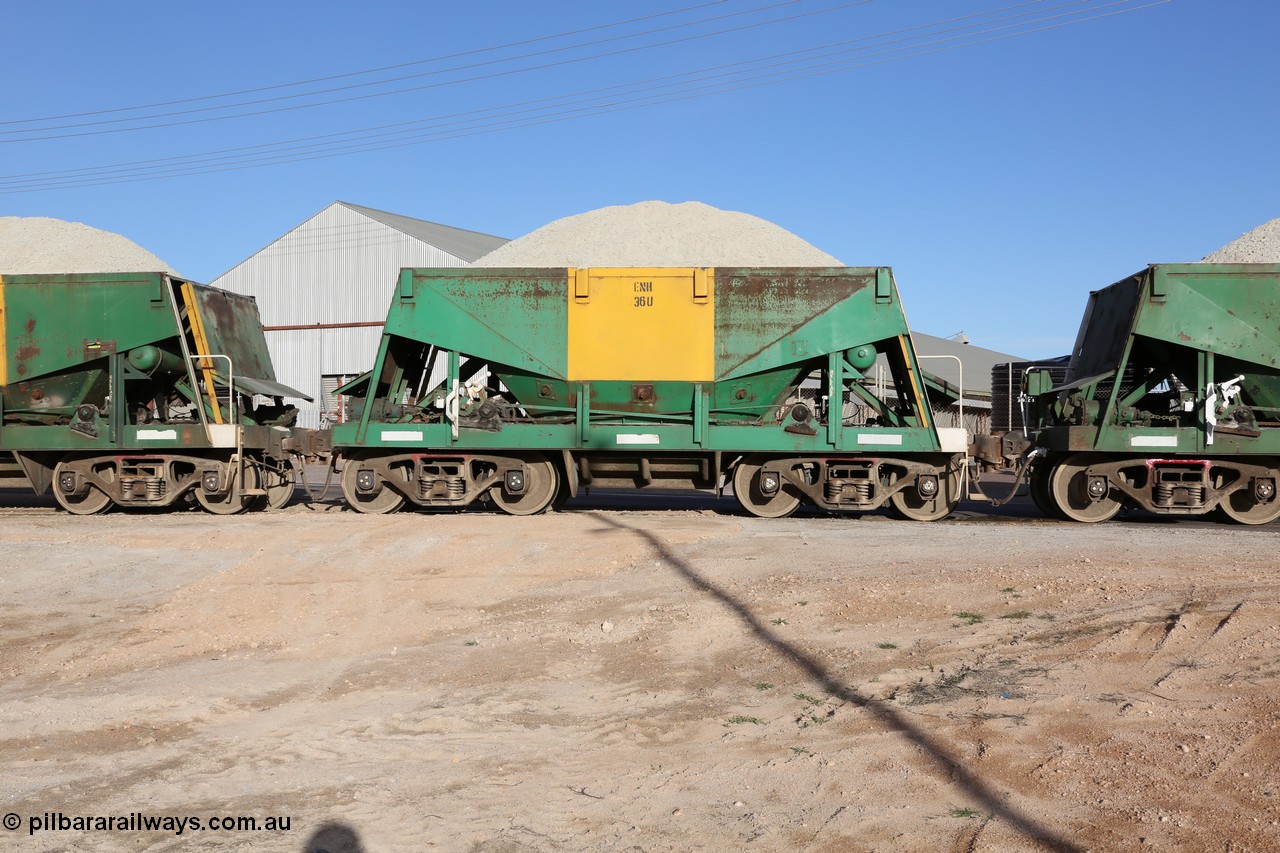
(993,800)
(334,837)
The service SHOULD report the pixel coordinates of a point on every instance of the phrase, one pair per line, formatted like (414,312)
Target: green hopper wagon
(520,387)
(1171,403)
(141,390)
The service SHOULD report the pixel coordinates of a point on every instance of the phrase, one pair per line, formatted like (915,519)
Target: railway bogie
(89,483)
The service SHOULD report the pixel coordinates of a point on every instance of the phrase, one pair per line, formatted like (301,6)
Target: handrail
(960,365)
(964,470)
(233,415)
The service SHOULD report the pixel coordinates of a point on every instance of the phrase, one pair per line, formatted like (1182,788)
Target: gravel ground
(653,679)
(37,244)
(658,234)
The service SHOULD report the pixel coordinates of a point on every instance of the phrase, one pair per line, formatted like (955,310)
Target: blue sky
(1002,179)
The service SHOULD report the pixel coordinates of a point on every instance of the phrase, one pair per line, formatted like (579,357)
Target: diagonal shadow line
(892,719)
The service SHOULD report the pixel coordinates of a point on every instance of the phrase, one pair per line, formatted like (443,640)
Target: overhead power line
(378,70)
(40,134)
(753,73)
(934,28)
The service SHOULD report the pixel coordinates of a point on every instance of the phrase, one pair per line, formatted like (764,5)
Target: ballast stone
(659,234)
(32,245)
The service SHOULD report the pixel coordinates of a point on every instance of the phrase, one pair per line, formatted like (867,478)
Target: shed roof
(977,361)
(467,245)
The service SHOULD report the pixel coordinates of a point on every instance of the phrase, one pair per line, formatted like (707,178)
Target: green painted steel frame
(1208,314)
(458,313)
(85,324)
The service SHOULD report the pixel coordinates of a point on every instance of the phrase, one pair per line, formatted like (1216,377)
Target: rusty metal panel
(766,319)
(513,317)
(52,323)
(233,329)
(1231,310)
(1104,331)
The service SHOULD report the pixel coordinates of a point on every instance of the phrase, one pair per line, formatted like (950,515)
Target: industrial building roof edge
(459,242)
(464,244)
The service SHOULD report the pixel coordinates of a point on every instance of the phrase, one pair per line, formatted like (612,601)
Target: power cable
(377,70)
(209,156)
(136,127)
(506,123)
(500,123)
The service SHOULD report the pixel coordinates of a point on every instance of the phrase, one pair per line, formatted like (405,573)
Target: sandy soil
(640,680)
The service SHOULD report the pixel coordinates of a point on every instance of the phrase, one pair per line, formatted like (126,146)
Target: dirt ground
(663,676)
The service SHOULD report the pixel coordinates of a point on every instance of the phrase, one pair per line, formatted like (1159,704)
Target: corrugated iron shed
(324,286)
(463,244)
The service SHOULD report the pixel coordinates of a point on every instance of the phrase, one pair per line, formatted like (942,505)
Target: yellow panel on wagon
(642,324)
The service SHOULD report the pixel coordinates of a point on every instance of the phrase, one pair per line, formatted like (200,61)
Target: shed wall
(340,266)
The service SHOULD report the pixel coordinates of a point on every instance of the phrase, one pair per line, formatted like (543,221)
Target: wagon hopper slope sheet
(521,387)
(1171,402)
(141,390)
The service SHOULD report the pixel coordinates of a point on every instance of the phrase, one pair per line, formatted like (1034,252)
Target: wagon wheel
(384,500)
(93,501)
(1038,486)
(746,488)
(1243,508)
(561,498)
(1069,491)
(231,503)
(541,485)
(913,506)
(279,480)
